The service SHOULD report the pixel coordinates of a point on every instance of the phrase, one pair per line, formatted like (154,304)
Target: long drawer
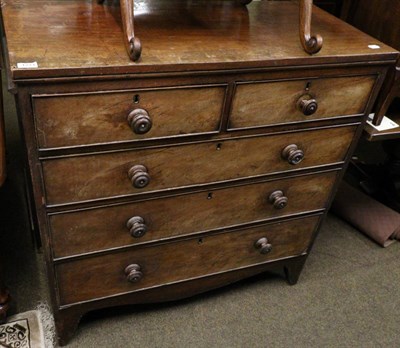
(70,120)
(268,103)
(84,178)
(103,228)
(107,275)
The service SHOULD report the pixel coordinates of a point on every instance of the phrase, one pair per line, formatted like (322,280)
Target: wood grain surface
(103,228)
(104,275)
(100,118)
(261,104)
(83,178)
(82,37)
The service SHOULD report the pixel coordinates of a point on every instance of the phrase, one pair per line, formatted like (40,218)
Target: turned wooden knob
(278,200)
(140,121)
(133,273)
(292,154)
(263,246)
(139,176)
(307,105)
(137,227)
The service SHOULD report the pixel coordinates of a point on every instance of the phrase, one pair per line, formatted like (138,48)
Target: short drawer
(84,178)
(71,120)
(103,228)
(269,103)
(107,275)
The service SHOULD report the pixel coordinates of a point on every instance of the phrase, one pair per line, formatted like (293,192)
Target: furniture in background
(380,19)
(213,159)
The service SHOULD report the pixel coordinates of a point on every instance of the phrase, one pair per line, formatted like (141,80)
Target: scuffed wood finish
(311,43)
(83,38)
(167,263)
(269,103)
(67,318)
(83,178)
(98,229)
(234,179)
(70,120)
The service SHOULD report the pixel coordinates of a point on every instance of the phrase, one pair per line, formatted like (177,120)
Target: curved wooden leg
(311,44)
(132,43)
(66,322)
(293,269)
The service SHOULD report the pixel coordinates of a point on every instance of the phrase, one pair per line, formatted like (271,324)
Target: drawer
(268,103)
(104,275)
(103,228)
(71,120)
(83,178)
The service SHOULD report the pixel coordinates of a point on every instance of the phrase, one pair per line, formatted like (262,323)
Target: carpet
(32,329)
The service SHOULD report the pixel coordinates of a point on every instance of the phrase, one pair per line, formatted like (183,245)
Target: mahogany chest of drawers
(213,158)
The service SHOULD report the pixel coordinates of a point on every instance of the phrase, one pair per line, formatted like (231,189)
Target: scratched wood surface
(82,37)
(104,275)
(95,118)
(83,178)
(335,97)
(103,228)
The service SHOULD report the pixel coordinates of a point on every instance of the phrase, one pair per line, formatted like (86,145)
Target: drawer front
(102,228)
(99,176)
(269,103)
(71,120)
(103,276)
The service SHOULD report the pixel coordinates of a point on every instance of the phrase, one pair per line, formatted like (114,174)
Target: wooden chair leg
(311,43)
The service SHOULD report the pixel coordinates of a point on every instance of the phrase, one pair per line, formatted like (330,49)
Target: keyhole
(200,241)
(219,146)
(210,195)
(136,99)
(308,86)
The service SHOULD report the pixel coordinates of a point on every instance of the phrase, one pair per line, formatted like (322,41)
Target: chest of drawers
(212,159)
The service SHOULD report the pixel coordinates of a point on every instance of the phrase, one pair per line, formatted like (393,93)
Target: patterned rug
(25,330)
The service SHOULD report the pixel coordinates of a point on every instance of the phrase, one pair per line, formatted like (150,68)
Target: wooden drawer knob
(292,154)
(140,121)
(133,273)
(137,227)
(263,246)
(278,200)
(307,105)
(139,176)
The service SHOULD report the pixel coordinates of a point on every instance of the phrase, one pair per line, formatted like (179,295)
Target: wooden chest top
(83,38)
